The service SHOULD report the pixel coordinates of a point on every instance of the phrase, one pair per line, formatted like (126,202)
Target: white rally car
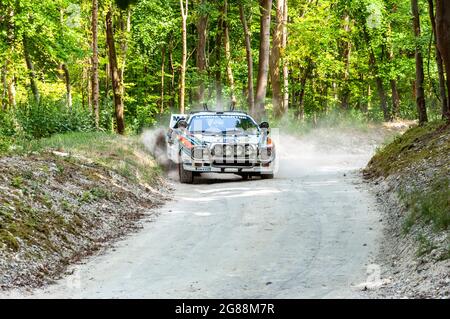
(220,142)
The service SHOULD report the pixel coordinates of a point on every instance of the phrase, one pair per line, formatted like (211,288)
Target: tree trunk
(8,77)
(229,70)
(68,86)
(393,81)
(63,67)
(439,62)
(300,113)
(202,26)
(12,92)
(163,65)
(126,29)
(346,52)
(395,99)
(5,87)
(172,73)
(89,91)
(420,93)
(263,66)
(115,74)
(107,80)
(31,72)
(378,80)
(184,14)
(277,41)
(94,80)
(248,50)
(380,87)
(285,62)
(218,75)
(443,42)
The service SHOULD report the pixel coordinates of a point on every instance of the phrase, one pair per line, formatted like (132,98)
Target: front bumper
(228,165)
(266,168)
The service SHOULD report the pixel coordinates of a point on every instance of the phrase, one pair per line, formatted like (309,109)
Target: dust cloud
(323,148)
(327,149)
(154,141)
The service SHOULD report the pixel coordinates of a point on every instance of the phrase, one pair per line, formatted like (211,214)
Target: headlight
(266,153)
(218,150)
(240,151)
(198,153)
(249,150)
(229,150)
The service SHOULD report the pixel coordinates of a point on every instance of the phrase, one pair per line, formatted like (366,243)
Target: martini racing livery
(220,142)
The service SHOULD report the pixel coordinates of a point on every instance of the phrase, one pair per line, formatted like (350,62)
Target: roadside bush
(7,126)
(5,144)
(430,206)
(48,118)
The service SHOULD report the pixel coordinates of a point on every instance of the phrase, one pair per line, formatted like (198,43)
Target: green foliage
(126,155)
(7,125)
(47,118)
(5,144)
(430,206)
(58,32)
(417,144)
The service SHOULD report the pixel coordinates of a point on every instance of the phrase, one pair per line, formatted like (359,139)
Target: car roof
(218,113)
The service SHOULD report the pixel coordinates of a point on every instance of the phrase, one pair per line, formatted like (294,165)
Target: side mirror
(264,126)
(181,124)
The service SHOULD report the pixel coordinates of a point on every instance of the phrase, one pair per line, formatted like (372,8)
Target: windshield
(240,124)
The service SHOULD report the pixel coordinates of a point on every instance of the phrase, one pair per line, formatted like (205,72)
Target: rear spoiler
(174,118)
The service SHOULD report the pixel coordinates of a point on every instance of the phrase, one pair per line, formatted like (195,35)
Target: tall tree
(263,64)
(94,79)
(378,79)
(8,74)
(277,41)
(184,15)
(68,85)
(393,79)
(31,71)
(125,26)
(163,67)
(218,71)
(420,92)
(248,51)
(439,63)
(443,42)
(115,74)
(226,39)
(202,28)
(285,60)
(346,49)
(65,69)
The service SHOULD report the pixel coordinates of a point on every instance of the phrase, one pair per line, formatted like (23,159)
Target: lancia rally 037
(220,142)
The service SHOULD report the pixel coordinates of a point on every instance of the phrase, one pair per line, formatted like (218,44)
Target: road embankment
(411,176)
(67,196)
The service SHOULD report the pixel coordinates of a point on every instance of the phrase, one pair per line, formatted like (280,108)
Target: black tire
(245,176)
(267,176)
(186,177)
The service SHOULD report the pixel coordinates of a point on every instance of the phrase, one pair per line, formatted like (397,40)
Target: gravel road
(309,233)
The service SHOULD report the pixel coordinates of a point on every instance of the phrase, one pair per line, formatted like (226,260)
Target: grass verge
(126,155)
(419,161)
(63,197)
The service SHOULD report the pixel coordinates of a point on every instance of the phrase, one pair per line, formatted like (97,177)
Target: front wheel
(186,177)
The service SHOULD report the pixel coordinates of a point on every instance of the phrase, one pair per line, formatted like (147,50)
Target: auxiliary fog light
(240,151)
(229,150)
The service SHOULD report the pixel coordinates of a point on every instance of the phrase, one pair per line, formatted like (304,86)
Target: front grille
(233,163)
(229,151)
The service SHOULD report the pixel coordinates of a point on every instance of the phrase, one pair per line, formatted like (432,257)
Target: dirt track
(309,233)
